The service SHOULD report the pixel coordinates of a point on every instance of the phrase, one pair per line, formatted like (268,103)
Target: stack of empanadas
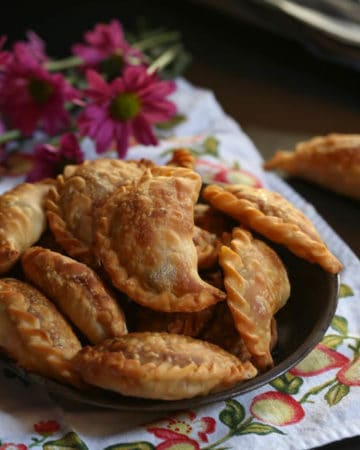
(146,292)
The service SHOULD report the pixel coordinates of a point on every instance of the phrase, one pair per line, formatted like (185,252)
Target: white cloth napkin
(315,409)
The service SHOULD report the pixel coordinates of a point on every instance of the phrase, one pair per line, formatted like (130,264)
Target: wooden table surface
(277,90)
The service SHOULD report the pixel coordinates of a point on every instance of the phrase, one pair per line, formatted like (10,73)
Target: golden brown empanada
(271,215)
(144,242)
(160,365)
(34,333)
(22,220)
(257,286)
(77,291)
(189,324)
(72,205)
(182,157)
(207,247)
(332,161)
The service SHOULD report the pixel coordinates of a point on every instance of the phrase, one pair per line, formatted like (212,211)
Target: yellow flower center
(125,106)
(40,90)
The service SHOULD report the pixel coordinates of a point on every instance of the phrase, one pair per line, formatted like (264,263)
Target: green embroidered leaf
(340,325)
(172,123)
(132,446)
(336,393)
(71,441)
(210,145)
(233,414)
(259,428)
(288,383)
(345,291)
(332,341)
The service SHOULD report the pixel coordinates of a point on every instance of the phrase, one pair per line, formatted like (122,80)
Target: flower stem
(66,63)
(157,39)
(164,59)
(9,136)
(315,390)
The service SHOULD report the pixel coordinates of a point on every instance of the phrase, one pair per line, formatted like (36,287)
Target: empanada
(22,220)
(182,157)
(207,248)
(271,215)
(160,365)
(72,205)
(257,286)
(145,242)
(77,291)
(34,333)
(332,161)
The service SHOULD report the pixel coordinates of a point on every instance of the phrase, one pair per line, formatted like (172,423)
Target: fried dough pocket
(160,366)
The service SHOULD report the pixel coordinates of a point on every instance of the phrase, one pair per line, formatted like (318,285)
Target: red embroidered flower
(277,408)
(11,446)
(50,160)
(106,49)
(47,428)
(30,95)
(185,427)
(320,360)
(126,107)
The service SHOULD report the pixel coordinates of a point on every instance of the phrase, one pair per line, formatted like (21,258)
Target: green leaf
(233,414)
(172,123)
(132,446)
(345,291)
(336,393)
(332,341)
(211,145)
(258,428)
(287,383)
(71,441)
(340,325)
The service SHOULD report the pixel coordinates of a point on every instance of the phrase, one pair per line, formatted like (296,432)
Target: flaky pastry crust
(182,157)
(35,334)
(331,161)
(257,286)
(207,248)
(160,365)
(77,291)
(22,221)
(271,215)
(145,242)
(73,204)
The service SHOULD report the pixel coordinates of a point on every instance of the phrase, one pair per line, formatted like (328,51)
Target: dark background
(280,90)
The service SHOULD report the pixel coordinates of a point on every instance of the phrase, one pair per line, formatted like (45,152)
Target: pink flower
(106,49)
(127,106)
(11,446)
(50,160)
(36,46)
(30,95)
(47,428)
(5,58)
